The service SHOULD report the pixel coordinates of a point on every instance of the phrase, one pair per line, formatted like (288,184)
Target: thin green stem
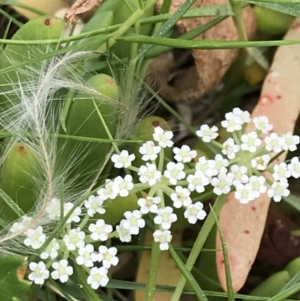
(199,293)
(122,29)
(237,17)
(132,69)
(108,133)
(198,245)
(89,292)
(154,263)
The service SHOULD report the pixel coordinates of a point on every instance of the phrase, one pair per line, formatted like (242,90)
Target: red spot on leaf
(253,208)
(155,123)
(278,96)
(295,25)
(222,261)
(21,148)
(266,99)
(47,22)
(247,232)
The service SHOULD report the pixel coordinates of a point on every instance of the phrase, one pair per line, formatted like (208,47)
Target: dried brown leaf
(208,67)
(80,7)
(243,225)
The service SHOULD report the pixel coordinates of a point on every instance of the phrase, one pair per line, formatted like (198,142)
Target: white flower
(100,230)
(197,181)
(218,165)
(86,256)
(62,270)
(149,174)
(108,256)
(278,190)
(35,238)
(75,216)
(230,148)
(294,168)
(21,225)
(124,234)
(203,165)
(181,197)
(260,163)
(39,272)
(109,191)
(149,204)
(123,185)
(74,239)
(236,119)
(207,134)
(281,172)
(98,277)
(163,238)
(51,250)
(133,222)
(53,209)
(149,151)
(184,154)
(250,142)
(123,160)
(164,138)
(243,115)
(194,212)
(239,174)
(274,143)
(257,184)
(165,217)
(222,183)
(262,124)
(94,205)
(290,142)
(244,193)
(174,172)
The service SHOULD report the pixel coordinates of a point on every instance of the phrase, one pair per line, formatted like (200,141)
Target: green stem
(154,263)
(202,236)
(122,29)
(89,292)
(132,64)
(108,133)
(237,8)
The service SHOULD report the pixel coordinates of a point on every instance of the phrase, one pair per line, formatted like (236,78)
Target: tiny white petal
(39,272)
(194,212)
(62,270)
(207,133)
(122,160)
(98,277)
(163,238)
(164,138)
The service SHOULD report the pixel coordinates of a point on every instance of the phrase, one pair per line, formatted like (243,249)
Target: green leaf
(293,200)
(10,283)
(291,9)
(11,203)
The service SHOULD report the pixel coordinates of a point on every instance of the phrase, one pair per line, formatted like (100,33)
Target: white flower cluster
(75,244)
(247,170)
(165,189)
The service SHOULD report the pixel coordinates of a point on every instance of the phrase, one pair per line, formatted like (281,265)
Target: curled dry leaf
(186,81)
(80,7)
(243,225)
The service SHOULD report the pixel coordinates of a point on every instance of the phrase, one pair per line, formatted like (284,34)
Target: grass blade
(11,204)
